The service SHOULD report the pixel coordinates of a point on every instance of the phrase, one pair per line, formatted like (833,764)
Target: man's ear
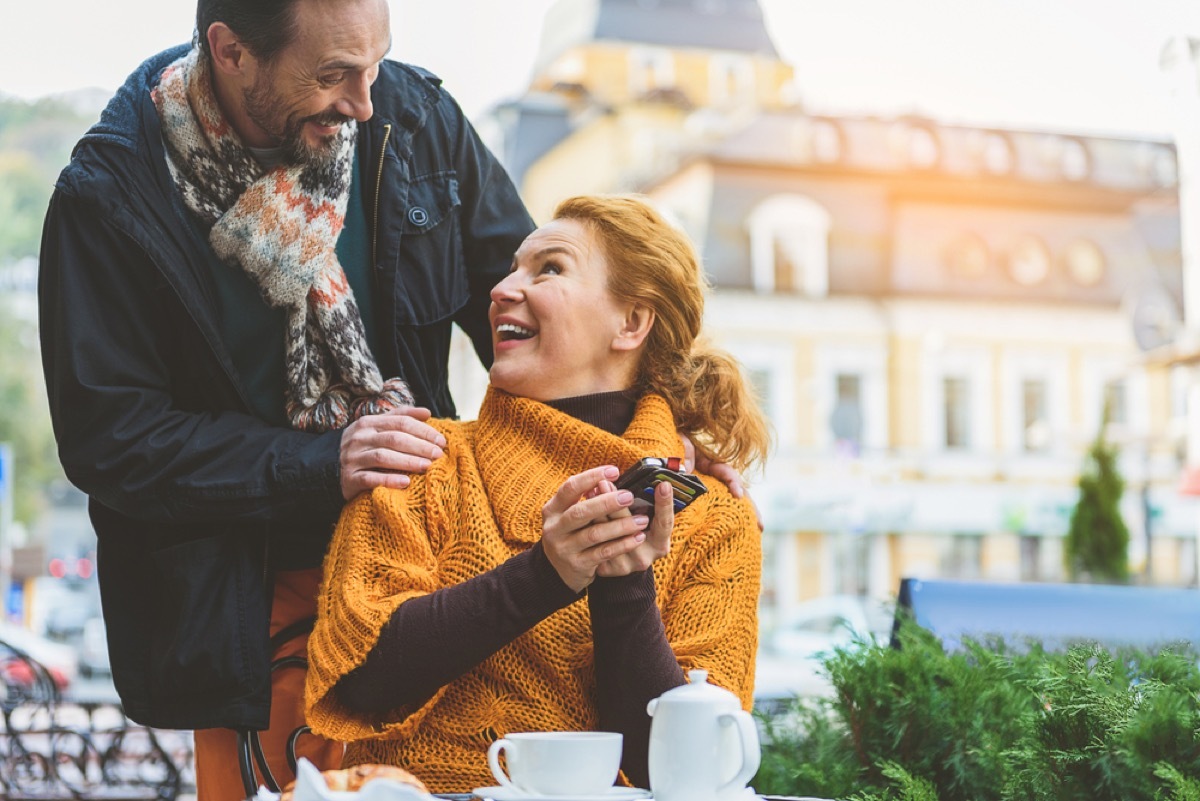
(634,328)
(229,55)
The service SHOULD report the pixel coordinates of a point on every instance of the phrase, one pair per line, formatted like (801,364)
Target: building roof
(734,25)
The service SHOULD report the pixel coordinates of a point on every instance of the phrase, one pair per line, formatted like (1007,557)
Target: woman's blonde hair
(651,263)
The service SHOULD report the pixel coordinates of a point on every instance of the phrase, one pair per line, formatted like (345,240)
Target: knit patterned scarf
(281,227)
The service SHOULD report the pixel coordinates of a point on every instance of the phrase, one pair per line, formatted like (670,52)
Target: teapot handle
(751,754)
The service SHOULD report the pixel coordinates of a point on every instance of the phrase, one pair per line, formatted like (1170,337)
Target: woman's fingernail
(640,537)
(624,497)
(641,521)
(611,472)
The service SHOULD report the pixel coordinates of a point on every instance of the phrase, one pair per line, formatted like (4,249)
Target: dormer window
(827,142)
(1029,261)
(789,246)
(915,144)
(731,78)
(922,148)
(1159,164)
(1074,161)
(968,257)
(650,69)
(997,154)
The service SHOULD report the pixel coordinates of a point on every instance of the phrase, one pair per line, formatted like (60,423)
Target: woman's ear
(634,328)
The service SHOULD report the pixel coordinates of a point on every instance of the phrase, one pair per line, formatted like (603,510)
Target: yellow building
(935,315)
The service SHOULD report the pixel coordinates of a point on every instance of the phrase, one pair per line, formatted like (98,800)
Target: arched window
(1075,162)
(997,154)
(789,246)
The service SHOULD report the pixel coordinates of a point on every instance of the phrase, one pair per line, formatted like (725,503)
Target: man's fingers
(410,420)
(364,481)
(727,476)
(403,442)
(415,412)
(689,453)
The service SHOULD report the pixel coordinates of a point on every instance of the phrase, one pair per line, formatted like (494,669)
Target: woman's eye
(551,268)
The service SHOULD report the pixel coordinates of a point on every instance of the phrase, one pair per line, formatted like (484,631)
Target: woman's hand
(658,538)
(583,528)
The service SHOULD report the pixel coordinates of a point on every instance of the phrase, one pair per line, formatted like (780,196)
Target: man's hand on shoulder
(380,450)
(694,462)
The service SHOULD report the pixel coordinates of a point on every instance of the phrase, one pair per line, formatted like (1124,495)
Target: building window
(789,246)
(1115,403)
(731,79)
(997,154)
(1031,558)
(1035,427)
(1165,168)
(827,143)
(650,70)
(1085,262)
(1074,161)
(968,257)
(786,268)
(759,380)
(962,557)
(1029,261)
(956,407)
(846,420)
(922,148)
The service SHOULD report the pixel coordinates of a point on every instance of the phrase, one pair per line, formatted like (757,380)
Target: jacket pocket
(431,274)
(210,632)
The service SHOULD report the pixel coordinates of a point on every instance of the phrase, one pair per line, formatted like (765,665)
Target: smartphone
(647,473)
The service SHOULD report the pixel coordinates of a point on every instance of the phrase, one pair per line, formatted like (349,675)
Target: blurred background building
(935,315)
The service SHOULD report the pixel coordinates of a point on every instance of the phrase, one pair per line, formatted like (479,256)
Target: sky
(1089,66)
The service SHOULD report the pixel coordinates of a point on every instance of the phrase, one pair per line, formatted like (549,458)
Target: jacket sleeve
(126,435)
(494,221)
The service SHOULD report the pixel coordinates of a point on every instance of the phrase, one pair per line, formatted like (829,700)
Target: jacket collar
(404,97)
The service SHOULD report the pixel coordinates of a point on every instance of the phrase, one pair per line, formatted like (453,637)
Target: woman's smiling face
(557,332)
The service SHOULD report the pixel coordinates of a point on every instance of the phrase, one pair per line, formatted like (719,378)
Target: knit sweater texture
(470,512)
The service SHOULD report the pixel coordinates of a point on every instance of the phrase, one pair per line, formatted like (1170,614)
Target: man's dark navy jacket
(195,501)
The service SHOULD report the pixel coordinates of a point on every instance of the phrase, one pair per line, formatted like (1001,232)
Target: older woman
(509,588)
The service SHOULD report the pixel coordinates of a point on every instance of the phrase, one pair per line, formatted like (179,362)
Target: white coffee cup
(557,762)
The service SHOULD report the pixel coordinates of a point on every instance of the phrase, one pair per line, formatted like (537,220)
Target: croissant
(352,779)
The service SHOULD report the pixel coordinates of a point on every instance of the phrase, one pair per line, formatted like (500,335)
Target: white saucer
(511,794)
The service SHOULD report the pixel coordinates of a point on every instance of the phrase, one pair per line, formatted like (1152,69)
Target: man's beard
(261,107)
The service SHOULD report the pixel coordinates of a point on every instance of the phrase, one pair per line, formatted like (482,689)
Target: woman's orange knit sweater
(472,510)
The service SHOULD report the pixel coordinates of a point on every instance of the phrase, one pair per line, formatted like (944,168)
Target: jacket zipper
(387,132)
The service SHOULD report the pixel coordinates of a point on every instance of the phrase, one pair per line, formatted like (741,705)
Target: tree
(25,414)
(36,138)
(1097,545)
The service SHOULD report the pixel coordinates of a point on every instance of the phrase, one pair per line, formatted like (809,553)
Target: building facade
(935,315)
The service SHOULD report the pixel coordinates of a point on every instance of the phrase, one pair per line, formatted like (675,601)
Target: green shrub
(991,721)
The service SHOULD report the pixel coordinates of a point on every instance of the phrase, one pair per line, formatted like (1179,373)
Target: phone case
(647,473)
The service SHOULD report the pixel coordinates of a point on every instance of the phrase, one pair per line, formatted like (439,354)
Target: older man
(249,274)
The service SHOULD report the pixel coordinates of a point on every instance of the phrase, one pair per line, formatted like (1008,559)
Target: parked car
(65,623)
(790,652)
(93,649)
(61,661)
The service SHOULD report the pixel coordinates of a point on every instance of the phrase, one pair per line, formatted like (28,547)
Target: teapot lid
(700,690)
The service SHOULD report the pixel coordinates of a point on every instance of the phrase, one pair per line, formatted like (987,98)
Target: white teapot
(703,745)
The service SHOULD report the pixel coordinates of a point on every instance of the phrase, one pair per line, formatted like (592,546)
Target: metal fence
(54,748)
